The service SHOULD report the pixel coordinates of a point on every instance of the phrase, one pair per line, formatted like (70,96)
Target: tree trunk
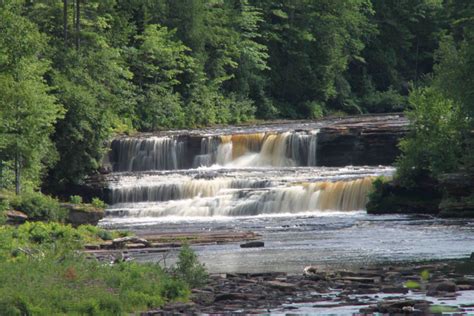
(65,21)
(17,173)
(78,24)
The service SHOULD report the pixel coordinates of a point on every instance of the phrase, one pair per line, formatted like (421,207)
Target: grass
(42,272)
(78,286)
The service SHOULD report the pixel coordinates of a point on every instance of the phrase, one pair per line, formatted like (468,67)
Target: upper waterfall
(364,140)
(242,150)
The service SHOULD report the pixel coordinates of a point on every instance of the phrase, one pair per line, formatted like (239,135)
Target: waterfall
(153,153)
(142,192)
(313,145)
(286,149)
(225,197)
(243,171)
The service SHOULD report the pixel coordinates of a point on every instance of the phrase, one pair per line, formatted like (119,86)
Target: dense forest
(75,72)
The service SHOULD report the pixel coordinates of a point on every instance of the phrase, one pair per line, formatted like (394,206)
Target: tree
(310,45)
(27,110)
(159,61)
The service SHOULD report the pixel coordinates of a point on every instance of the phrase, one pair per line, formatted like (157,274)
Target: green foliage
(42,273)
(28,111)
(154,65)
(34,239)
(435,142)
(412,285)
(38,206)
(96,202)
(189,269)
(425,275)
(75,199)
(78,286)
(384,101)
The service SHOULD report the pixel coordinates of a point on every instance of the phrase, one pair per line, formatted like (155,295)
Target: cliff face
(371,140)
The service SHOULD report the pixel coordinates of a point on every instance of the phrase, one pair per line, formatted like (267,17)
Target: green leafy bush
(39,206)
(435,142)
(75,199)
(384,101)
(96,202)
(33,238)
(189,269)
(315,109)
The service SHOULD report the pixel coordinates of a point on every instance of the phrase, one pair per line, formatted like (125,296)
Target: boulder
(81,215)
(16,217)
(253,244)
(119,243)
(442,287)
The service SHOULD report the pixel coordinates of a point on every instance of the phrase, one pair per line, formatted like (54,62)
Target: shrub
(189,269)
(39,237)
(385,101)
(315,109)
(39,206)
(435,144)
(75,199)
(96,202)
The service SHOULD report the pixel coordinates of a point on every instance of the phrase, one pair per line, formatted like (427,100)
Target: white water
(284,149)
(217,192)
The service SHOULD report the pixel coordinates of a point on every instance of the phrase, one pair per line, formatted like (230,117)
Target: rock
(312,273)
(472,256)
(445,286)
(281,285)
(394,289)
(230,297)
(79,215)
(16,217)
(361,279)
(398,307)
(119,243)
(253,244)
(365,140)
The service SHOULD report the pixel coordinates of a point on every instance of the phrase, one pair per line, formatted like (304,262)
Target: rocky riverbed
(419,288)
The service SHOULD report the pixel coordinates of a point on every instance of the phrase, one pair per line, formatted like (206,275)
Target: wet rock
(281,285)
(253,244)
(442,287)
(230,297)
(394,289)
(398,307)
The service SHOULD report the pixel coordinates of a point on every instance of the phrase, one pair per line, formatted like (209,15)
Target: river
(298,185)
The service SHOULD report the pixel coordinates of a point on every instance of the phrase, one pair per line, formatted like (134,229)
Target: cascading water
(220,173)
(269,149)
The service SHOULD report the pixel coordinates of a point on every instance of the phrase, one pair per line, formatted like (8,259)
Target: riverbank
(420,287)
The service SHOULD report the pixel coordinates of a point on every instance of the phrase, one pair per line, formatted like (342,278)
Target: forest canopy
(75,72)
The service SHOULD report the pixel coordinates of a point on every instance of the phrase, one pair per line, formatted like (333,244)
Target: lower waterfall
(227,197)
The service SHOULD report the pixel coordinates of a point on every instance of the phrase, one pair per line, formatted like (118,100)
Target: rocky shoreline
(418,288)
